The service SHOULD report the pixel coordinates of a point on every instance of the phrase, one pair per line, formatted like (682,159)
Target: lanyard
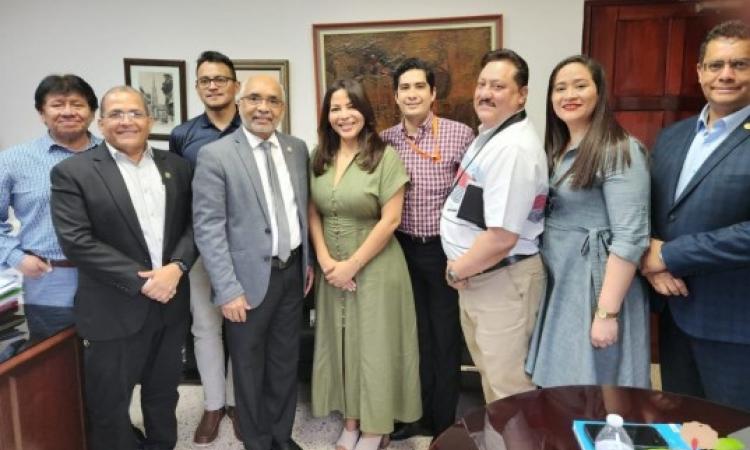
(515,118)
(435,155)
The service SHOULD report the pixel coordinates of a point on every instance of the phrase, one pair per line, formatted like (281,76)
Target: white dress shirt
(148,195)
(287,191)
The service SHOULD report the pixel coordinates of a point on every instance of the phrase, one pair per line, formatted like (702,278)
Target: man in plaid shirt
(431,148)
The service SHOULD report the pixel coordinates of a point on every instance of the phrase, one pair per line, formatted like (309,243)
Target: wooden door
(649,50)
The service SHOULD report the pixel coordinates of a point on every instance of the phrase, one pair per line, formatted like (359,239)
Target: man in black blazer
(122,213)
(699,259)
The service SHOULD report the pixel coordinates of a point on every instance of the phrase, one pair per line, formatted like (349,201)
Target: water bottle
(613,435)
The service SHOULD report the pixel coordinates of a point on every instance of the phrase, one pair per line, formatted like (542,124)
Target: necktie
(282,225)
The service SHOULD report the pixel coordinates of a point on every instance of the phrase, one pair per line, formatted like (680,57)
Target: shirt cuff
(15,258)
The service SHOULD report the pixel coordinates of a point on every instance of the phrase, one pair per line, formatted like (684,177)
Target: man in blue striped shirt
(66,105)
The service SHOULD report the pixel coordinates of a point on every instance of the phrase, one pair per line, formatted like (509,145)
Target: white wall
(90,38)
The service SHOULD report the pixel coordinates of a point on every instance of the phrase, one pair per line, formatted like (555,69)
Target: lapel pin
(167,175)
(289,149)
(747,126)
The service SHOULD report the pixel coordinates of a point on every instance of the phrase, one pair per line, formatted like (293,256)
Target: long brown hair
(370,145)
(605,146)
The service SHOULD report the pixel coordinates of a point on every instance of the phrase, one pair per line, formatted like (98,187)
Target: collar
(423,127)
(118,155)
(206,123)
(729,122)
(255,141)
(49,143)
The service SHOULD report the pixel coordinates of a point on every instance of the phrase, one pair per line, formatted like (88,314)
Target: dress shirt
(706,141)
(25,186)
(287,191)
(188,138)
(148,195)
(430,179)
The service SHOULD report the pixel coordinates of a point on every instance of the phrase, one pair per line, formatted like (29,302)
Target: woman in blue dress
(593,326)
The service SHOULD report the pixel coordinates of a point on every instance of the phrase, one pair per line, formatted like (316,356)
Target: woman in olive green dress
(366,362)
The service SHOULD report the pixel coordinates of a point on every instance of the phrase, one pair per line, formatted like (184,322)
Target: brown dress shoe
(208,428)
(231,412)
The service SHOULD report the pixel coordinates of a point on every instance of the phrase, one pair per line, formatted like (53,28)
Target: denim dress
(582,227)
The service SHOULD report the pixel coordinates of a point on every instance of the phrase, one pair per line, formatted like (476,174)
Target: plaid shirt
(430,181)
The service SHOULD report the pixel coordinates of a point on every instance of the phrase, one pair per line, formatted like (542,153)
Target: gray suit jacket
(230,215)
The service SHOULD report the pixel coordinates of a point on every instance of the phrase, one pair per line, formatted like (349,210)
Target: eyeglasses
(738,65)
(220,82)
(121,115)
(257,100)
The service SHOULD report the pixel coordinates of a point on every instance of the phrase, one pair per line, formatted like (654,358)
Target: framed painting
(277,68)
(162,82)
(371,51)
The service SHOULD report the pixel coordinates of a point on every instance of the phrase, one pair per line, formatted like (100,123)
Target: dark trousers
(439,332)
(112,368)
(717,371)
(265,352)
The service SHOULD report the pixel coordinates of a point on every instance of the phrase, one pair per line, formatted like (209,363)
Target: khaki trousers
(498,312)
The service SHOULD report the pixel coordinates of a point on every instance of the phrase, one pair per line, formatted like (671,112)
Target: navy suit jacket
(706,231)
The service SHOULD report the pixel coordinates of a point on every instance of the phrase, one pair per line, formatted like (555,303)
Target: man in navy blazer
(699,259)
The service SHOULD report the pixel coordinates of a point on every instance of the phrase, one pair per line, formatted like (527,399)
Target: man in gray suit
(251,228)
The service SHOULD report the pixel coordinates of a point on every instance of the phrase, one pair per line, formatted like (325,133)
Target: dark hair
(370,144)
(731,29)
(414,64)
(505,54)
(215,57)
(64,85)
(605,146)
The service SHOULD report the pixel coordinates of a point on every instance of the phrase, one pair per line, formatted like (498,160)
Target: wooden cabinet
(41,404)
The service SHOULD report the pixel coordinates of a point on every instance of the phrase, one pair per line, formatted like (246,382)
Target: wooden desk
(41,406)
(543,419)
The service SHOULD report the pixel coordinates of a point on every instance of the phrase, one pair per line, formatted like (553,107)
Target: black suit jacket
(98,230)
(706,231)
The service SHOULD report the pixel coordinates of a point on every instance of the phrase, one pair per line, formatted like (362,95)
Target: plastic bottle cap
(614,420)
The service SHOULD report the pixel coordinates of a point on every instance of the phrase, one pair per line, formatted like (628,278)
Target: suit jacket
(706,231)
(99,231)
(231,218)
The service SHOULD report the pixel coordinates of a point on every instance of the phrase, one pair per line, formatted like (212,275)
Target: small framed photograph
(162,82)
(277,68)
(371,51)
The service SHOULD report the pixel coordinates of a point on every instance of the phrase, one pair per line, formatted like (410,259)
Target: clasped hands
(161,283)
(655,271)
(340,274)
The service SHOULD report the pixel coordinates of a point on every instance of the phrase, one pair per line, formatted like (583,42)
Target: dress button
(268,231)
(672,217)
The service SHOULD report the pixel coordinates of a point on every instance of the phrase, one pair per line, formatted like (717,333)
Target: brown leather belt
(52,262)
(276,263)
(419,239)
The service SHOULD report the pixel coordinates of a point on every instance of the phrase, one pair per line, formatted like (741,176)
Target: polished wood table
(41,402)
(543,419)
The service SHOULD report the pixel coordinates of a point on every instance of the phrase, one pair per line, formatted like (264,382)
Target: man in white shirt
(490,228)
(122,215)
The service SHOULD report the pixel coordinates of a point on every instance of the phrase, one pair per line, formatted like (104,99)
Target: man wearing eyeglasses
(122,215)
(217,86)
(66,105)
(699,258)
(250,217)
(431,148)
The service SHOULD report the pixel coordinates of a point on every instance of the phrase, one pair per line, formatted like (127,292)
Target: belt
(506,262)
(419,239)
(276,263)
(52,262)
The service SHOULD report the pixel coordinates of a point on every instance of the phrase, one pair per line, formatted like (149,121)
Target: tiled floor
(310,433)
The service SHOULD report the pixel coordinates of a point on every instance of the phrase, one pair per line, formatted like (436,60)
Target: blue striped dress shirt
(25,186)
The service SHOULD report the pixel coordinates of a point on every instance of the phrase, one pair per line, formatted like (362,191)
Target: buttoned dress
(366,362)
(582,227)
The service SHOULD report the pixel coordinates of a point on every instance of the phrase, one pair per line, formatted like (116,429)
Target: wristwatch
(183,267)
(602,314)
(452,276)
